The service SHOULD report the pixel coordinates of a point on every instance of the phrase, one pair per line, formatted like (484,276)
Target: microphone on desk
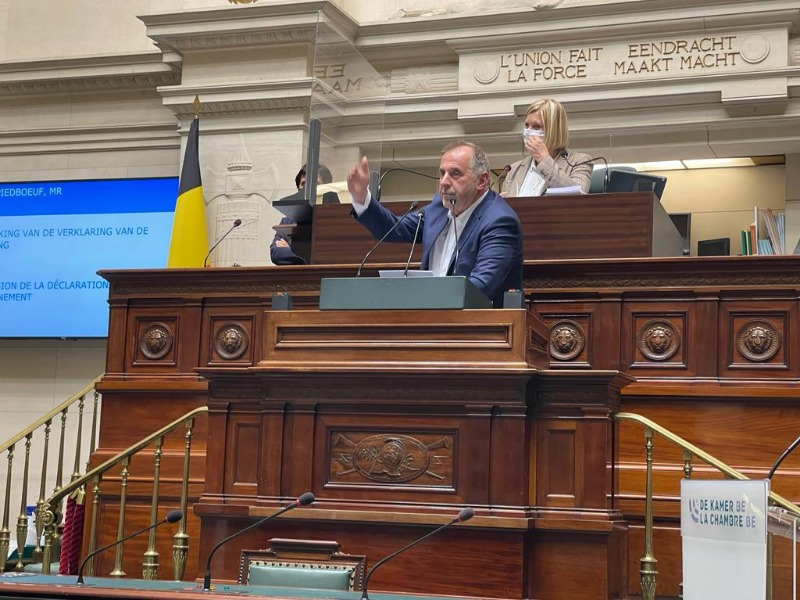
(586,162)
(420,217)
(173,516)
(500,175)
(236,223)
(385,235)
(303,500)
(465,515)
(781,458)
(404,170)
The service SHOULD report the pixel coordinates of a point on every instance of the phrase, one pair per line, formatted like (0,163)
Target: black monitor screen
(631,181)
(716,247)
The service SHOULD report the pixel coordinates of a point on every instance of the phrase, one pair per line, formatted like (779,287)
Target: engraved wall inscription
(625,60)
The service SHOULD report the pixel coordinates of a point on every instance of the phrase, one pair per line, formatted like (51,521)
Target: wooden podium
(396,419)
(629,225)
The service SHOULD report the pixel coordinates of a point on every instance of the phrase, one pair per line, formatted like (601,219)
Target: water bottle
(30,539)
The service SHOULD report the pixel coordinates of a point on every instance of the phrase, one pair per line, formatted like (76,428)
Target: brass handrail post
(22,520)
(93,522)
(5,532)
(93,440)
(150,562)
(41,503)
(180,543)
(688,468)
(687,464)
(61,444)
(647,564)
(76,466)
(123,495)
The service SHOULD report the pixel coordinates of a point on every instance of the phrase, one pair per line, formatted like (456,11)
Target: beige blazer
(557,172)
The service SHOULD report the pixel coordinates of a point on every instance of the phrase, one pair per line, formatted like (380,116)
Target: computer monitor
(627,181)
(715,247)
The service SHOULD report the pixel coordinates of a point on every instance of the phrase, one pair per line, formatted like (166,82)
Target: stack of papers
(562,191)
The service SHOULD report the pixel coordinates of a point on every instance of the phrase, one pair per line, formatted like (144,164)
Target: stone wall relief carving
(246,193)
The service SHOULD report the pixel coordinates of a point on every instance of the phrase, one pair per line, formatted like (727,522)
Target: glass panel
(348,104)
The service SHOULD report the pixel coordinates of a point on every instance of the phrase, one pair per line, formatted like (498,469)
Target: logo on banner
(718,512)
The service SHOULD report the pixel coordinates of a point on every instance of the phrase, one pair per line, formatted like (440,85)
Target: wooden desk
(632,225)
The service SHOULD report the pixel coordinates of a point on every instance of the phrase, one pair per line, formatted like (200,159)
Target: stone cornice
(255,24)
(90,139)
(143,71)
(272,96)
(440,39)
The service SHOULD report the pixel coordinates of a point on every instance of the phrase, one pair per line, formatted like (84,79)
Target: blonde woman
(548,162)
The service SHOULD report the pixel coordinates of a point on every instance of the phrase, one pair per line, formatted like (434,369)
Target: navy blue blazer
(489,247)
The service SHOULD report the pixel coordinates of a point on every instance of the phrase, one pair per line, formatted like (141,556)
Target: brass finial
(196,106)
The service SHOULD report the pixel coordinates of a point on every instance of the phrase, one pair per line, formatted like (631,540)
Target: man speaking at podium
(467,229)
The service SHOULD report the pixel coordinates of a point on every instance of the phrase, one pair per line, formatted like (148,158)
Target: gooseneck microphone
(404,170)
(452,198)
(420,217)
(303,500)
(173,516)
(236,223)
(586,162)
(385,235)
(781,458)
(500,175)
(465,515)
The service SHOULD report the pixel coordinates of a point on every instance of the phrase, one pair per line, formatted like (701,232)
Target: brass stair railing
(647,563)
(52,515)
(39,433)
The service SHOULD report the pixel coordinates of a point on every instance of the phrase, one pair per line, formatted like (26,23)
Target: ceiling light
(719,163)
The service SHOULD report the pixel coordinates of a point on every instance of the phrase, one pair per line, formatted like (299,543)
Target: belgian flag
(189,243)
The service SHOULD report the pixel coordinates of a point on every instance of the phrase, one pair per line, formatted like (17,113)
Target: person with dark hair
(280,250)
(549,162)
(489,234)
(323,176)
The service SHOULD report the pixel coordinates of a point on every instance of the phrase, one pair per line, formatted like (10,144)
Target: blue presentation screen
(55,236)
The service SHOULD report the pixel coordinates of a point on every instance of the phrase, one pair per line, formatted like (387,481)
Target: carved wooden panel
(155,342)
(229,340)
(558,464)
(389,458)
(658,341)
(582,334)
(243,454)
(162,340)
(758,340)
(379,338)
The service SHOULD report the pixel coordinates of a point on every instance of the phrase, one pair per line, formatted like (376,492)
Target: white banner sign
(724,530)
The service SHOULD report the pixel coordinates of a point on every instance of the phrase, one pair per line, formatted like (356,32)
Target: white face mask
(526,133)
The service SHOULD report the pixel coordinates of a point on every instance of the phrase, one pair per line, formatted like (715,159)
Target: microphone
(586,162)
(385,235)
(173,516)
(500,175)
(465,515)
(404,170)
(452,198)
(236,223)
(781,458)
(303,500)
(420,217)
